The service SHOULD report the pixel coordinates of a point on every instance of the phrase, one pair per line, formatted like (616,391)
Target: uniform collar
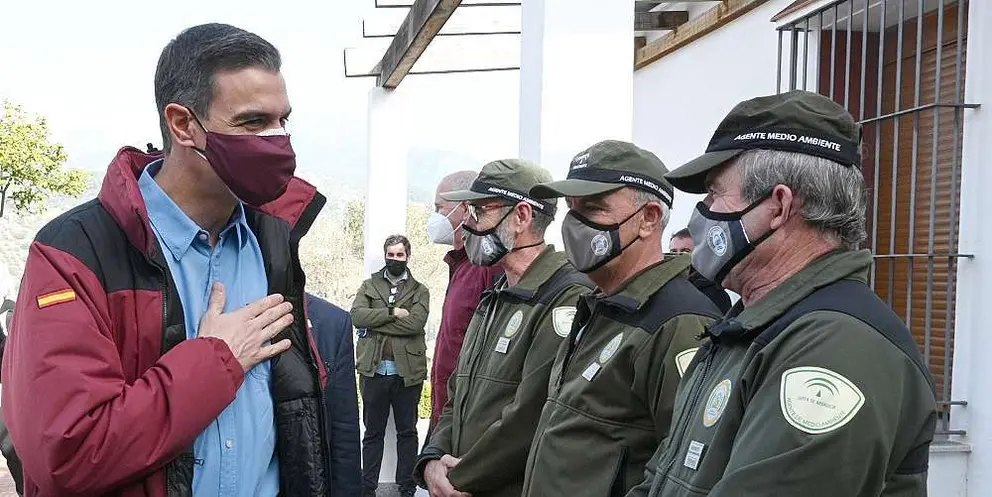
(830,268)
(547,263)
(176,230)
(639,289)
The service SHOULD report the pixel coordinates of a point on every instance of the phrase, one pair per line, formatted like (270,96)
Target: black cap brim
(691,176)
(573,188)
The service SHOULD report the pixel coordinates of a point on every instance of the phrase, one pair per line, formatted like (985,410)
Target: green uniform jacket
(613,384)
(828,407)
(501,381)
(406,335)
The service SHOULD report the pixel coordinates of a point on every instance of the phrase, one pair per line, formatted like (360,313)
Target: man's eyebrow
(252,115)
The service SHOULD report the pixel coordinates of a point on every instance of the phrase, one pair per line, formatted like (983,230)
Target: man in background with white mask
(466,282)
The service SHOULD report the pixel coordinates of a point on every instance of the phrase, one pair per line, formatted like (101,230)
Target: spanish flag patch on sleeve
(59,297)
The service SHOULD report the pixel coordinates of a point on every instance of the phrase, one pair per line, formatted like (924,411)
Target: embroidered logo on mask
(716,239)
(600,244)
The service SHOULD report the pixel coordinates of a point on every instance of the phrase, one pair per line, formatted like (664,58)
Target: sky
(89,66)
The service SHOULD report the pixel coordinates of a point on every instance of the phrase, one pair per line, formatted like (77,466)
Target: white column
(385,200)
(385,205)
(576,80)
(973,346)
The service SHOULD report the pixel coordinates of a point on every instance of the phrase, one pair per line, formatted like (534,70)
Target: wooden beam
(645,6)
(666,19)
(639,42)
(693,30)
(422,23)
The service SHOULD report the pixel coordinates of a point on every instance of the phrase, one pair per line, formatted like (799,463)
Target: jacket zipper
(487,323)
(690,407)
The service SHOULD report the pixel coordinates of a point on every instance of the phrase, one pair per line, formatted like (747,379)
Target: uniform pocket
(619,486)
(417,357)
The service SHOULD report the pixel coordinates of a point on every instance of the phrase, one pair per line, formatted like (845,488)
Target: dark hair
(188,64)
(682,233)
(396,240)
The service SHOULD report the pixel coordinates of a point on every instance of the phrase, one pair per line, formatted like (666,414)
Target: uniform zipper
(690,407)
(487,323)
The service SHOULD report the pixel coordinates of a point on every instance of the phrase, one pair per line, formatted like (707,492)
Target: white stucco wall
(679,100)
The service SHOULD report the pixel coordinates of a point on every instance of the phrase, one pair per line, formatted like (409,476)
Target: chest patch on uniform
(562,317)
(817,400)
(611,348)
(502,345)
(513,325)
(683,359)
(717,402)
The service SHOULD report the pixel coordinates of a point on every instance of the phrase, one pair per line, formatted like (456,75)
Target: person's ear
(182,126)
(523,213)
(782,206)
(651,217)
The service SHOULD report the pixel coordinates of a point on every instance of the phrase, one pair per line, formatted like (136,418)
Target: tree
(31,165)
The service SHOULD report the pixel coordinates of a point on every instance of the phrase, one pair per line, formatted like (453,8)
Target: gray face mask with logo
(485,248)
(720,241)
(590,245)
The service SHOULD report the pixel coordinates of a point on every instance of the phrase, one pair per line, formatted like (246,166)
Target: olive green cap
(795,121)
(610,165)
(507,179)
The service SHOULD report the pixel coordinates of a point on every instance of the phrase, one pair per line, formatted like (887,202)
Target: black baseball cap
(795,121)
(510,180)
(610,165)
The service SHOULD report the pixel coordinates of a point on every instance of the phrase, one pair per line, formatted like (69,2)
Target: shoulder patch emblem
(717,402)
(53,298)
(513,325)
(562,317)
(611,348)
(683,359)
(817,400)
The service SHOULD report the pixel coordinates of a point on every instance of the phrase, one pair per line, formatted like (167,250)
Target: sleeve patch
(53,298)
(817,400)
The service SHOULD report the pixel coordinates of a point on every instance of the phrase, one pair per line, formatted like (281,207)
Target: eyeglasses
(476,211)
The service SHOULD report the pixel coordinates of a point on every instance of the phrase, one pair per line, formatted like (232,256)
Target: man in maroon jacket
(159,344)
(466,282)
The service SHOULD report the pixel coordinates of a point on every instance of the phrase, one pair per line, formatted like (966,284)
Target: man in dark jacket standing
(331,328)
(140,360)
(391,311)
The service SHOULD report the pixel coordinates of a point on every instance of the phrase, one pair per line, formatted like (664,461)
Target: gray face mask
(485,248)
(590,245)
(720,241)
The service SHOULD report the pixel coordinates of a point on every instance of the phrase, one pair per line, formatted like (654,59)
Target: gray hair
(833,196)
(538,225)
(188,64)
(642,197)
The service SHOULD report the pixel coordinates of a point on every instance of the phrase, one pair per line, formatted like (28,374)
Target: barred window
(898,66)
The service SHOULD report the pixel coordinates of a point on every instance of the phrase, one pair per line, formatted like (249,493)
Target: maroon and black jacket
(102,392)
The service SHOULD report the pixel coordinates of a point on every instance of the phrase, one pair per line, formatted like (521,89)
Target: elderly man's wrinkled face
(723,190)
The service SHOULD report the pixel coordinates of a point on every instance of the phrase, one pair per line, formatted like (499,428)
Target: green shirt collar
(830,268)
(639,289)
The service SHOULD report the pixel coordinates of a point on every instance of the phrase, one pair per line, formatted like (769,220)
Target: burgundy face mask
(257,168)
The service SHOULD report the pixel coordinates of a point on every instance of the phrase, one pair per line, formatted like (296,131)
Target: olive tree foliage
(32,166)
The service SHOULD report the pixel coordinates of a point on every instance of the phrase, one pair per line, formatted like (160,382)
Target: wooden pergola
(426,18)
